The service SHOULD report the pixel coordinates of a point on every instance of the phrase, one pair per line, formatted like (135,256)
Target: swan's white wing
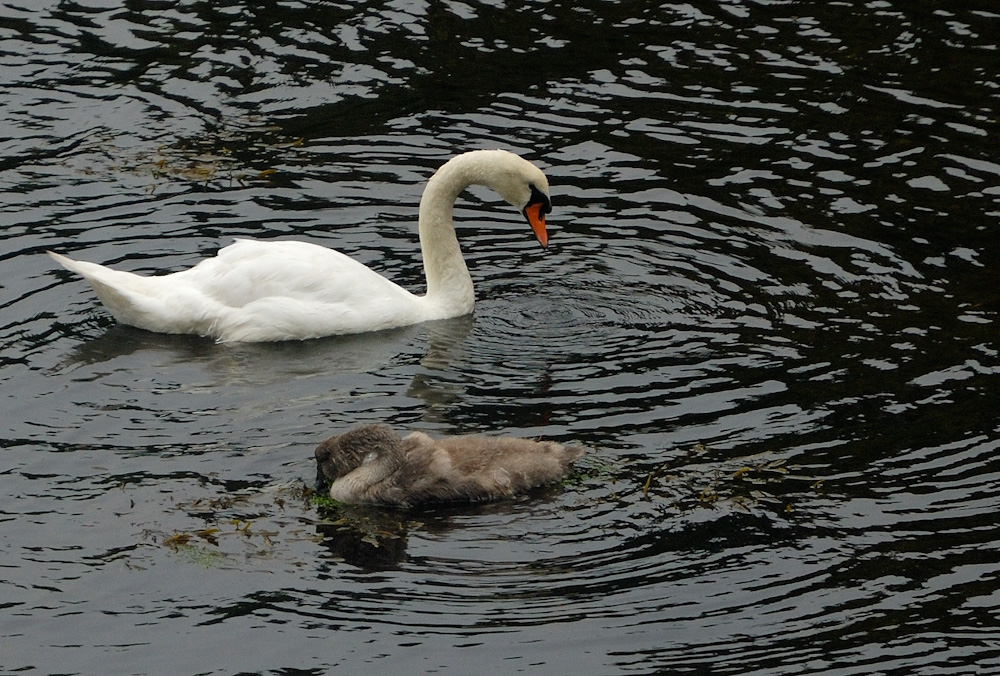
(252,270)
(257,291)
(284,290)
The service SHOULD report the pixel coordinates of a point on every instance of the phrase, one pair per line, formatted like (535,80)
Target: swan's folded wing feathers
(250,270)
(274,291)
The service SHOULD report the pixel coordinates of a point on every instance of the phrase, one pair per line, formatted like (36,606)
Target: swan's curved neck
(448,281)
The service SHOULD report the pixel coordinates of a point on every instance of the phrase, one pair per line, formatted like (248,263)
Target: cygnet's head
(341,455)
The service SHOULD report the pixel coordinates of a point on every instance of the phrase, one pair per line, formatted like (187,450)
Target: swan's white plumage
(257,291)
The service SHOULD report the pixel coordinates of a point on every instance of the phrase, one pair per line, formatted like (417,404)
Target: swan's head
(526,188)
(518,181)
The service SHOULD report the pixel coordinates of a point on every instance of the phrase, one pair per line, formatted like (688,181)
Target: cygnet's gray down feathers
(373,464)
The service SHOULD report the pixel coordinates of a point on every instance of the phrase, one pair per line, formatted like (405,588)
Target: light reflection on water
(767,308)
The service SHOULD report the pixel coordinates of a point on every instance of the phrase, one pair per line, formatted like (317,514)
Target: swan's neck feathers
(449,284)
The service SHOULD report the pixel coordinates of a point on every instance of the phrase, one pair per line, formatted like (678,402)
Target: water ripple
(766,308)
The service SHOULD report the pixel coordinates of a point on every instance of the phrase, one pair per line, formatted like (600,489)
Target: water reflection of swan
(125,349)
(256,291)
(373,464)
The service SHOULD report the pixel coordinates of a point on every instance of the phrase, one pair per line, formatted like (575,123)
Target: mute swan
(258,291)
(372,464)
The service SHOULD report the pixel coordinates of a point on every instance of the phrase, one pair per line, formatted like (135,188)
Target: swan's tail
(121,292)
(87,270)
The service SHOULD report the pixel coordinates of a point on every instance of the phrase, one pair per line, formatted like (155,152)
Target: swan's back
(289,290)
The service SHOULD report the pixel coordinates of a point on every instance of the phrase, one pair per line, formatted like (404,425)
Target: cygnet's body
(374,465)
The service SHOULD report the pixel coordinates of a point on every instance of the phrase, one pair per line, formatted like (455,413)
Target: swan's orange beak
(536,218)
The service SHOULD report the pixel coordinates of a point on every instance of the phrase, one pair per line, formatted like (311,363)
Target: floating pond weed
(743,483)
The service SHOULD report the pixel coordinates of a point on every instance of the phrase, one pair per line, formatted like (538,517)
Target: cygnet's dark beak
(322,483)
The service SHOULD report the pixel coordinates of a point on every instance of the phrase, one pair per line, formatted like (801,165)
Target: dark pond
(769,306)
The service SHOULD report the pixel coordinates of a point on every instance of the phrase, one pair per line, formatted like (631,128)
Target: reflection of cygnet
(373,464)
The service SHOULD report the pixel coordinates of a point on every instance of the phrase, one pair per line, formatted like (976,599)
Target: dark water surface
(769,307)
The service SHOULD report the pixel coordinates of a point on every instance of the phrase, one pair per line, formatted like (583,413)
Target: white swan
(259,291)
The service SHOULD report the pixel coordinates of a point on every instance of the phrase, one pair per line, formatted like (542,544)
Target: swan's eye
(538,197)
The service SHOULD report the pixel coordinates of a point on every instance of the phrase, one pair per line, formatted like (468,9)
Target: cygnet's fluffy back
(372,464)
